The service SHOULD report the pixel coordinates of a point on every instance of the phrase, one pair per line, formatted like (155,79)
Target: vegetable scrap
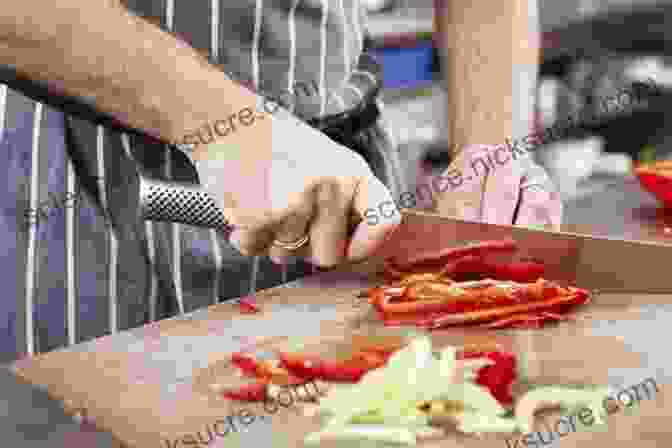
(467,286)
(249,392)
(659,167)
(418,395)
(249,305)
(398,390)
(268,371)
(498,376)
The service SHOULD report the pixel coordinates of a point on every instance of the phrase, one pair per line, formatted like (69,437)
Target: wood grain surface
(154,386)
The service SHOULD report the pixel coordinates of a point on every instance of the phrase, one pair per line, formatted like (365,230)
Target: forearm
(490,53)
(126,67)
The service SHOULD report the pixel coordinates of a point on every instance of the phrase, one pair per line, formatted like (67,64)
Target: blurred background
(592,49)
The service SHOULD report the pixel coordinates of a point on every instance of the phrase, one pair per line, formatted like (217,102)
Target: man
(290,181)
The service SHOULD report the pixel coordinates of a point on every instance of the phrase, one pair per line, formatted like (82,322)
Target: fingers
(367,237)
(540,207)
(252,241)
(502,194)
(540,204)
(329,229)
(294,227)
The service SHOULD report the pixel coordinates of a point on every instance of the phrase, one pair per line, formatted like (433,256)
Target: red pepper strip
(471,354)
(397,319)
(376,296)
(438,297)
(264,370)
(491,298)
(532,323)
(381,345)
(391,270)
(424,307)
(385,352)
(423,321)
(248,364)
(556,316)
(381,295)
(371,359)
(269,371)
(445,255)
(308,367)
(311,367)
(518,271)
(350,371)
(416,277)
(249,392)
(539,319)
(248,305)
(539,290)
(576,297)
(469,264)
(464,265)
(393,323)
(497,377)
(523,321)
(500,376)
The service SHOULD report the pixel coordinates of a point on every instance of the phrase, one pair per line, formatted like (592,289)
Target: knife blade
(591,262)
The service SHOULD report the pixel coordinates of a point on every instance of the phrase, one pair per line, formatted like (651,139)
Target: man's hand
(491,55)
(497,186)
(275,177)
(279,179)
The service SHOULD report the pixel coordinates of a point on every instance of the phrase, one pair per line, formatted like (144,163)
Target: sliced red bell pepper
(556,316)
(249,392)
(518,271)
(420,319)
(371,359)
(264,370)
(478,305)
(381,345)
(247,363)
(498,377)
(553,304)
(444,256)
(392,271)
(348,371)
(528,321)
(472,267)
(468,265)
(477,350)
(523,321)
(433,297)
(310,367)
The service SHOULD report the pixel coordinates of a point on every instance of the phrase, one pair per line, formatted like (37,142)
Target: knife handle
(180,202)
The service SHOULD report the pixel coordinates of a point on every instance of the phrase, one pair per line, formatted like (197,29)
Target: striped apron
(71,274)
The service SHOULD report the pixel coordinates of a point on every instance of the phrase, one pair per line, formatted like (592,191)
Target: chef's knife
(593,262)
(605,264)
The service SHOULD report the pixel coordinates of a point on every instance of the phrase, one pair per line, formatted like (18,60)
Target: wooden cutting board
(151,386)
